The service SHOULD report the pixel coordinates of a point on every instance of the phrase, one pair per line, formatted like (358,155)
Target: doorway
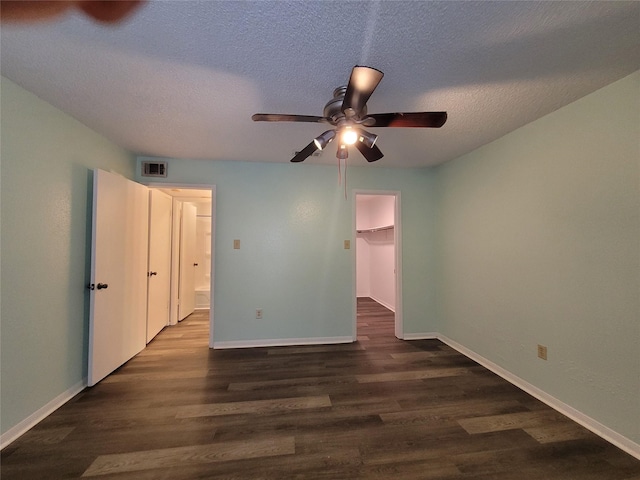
(125,258)
(377,258)
(192,258)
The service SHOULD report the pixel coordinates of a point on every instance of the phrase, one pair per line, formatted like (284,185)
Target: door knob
(151,274)
(195,264)
(101,286)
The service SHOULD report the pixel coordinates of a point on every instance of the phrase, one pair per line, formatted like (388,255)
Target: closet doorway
(377,257)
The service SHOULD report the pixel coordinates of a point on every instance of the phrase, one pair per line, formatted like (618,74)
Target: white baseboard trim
(384,304)
(421,336)
(21,428)
(620,441)
(281,342)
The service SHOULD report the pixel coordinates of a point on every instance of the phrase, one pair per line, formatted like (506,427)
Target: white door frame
(397,239)
(196,186)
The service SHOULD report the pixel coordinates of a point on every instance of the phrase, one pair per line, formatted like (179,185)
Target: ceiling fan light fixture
(342,152)
(349,136)
(324,139)
(368,138)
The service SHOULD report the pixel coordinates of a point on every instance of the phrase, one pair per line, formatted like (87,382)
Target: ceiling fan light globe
(349,136)
(324,139)
(342,152)
(369,139)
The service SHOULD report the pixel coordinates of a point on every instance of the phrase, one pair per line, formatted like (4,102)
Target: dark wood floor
(378,408)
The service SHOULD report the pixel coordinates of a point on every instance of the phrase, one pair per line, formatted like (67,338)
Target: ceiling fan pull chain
(345,178)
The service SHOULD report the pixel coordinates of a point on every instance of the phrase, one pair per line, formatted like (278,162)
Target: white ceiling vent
(154,169)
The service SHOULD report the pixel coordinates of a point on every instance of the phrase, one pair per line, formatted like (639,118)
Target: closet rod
(370,230)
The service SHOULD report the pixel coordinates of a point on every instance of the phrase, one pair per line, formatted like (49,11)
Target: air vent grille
(154,169)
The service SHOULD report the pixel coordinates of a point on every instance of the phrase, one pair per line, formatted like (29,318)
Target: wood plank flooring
(378,408)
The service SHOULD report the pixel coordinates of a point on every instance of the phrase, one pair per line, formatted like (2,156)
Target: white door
(118,300)
(159,273)
(188,263)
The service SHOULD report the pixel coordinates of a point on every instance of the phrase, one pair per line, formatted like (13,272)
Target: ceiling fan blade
(370,154)
(412,119)
(362,83)
(305,152)
(278,117)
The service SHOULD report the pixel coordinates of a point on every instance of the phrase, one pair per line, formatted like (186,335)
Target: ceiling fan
(347,113)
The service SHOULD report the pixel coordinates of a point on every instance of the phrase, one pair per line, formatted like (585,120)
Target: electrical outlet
(259,313)
(542,352)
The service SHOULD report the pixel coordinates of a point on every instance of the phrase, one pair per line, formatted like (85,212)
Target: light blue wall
(292,221)
(531,239)
(47,157)
(540,243)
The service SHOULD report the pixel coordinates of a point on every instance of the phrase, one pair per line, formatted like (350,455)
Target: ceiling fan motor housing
(333,108)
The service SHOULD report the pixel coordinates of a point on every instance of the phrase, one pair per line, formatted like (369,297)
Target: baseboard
(21,428)
(421,336)
(281,342)
(620,441)
(384,304)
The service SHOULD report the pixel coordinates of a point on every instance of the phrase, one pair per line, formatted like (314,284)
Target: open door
(118,300)
(188,263)
(159,273)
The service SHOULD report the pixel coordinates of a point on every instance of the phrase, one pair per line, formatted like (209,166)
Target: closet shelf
(370,230)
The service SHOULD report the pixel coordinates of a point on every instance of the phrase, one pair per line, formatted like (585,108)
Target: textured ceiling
(182,78)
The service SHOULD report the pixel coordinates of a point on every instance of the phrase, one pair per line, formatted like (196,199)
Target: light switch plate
(542,352)
(347,244)
(236,244)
